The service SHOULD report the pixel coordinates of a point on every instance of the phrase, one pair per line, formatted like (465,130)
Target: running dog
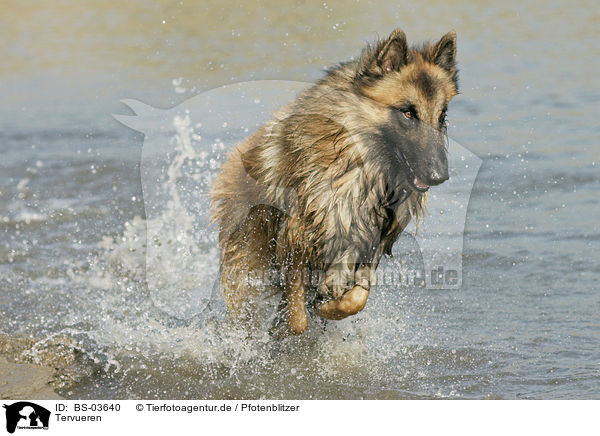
(326,187)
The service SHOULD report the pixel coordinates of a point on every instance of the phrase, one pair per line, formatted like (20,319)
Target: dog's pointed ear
(444,52)
(393,54)
(386,56)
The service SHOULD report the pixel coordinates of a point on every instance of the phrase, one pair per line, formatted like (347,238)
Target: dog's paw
(365,277)
(350,303)
(341,278)
(346,289)
(288,321)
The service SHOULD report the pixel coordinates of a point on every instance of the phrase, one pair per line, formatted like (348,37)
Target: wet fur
(320,188)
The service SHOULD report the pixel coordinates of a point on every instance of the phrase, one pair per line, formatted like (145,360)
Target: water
(73,224)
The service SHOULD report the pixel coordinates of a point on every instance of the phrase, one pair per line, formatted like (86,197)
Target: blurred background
(524,325)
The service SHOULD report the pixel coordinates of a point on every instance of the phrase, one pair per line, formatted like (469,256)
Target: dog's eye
(409,114)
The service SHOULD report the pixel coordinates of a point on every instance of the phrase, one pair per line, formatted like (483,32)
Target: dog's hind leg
(247,262)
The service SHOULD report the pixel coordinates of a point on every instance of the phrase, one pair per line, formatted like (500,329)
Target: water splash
(152,311)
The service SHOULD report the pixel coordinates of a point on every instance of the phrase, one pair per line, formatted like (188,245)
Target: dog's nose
(437,177)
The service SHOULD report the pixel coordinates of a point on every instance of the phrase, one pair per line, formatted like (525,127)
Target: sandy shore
(34,368)
(26,381)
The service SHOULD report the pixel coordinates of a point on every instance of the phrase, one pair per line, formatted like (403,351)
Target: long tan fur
(311,193)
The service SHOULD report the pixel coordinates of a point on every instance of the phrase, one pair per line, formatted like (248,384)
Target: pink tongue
(420,184)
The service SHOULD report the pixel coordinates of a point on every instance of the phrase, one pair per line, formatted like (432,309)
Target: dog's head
(411,88)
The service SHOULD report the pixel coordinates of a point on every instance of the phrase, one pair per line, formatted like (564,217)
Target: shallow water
(73,222)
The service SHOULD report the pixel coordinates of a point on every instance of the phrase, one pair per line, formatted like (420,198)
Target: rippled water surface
(74,258)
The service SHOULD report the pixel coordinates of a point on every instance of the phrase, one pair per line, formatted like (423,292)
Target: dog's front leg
(355,280)
(353,300)
(295,292)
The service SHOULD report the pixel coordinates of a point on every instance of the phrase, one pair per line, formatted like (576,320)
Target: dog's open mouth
(420,184)
(412,178)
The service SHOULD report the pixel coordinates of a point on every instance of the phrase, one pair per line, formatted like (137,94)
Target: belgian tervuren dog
(326,187)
